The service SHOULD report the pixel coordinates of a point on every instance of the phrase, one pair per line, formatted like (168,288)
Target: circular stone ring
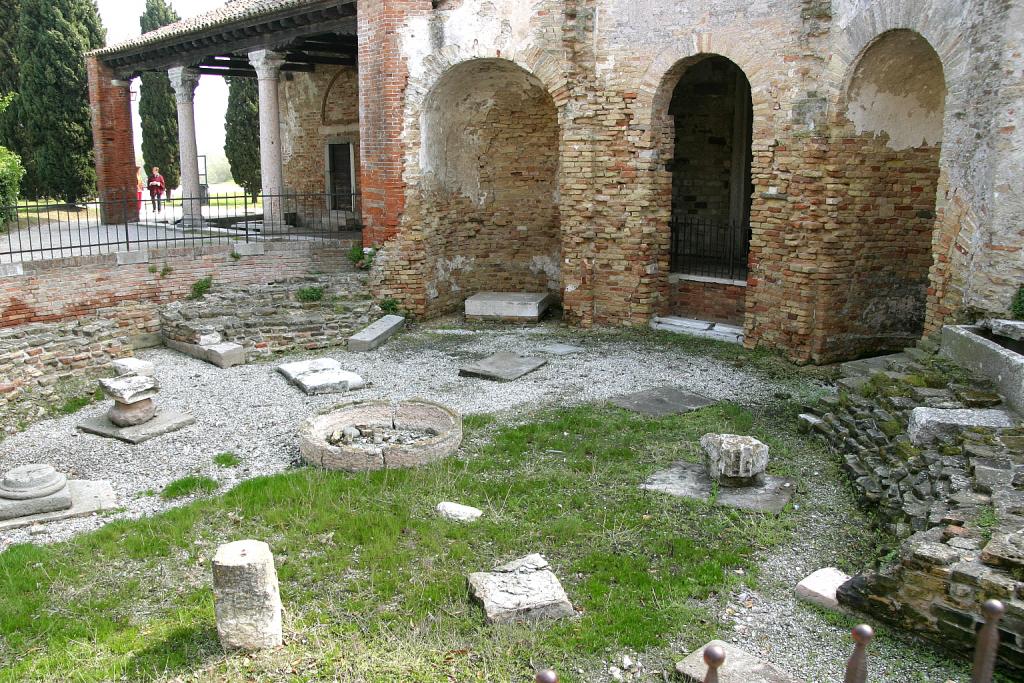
(31,481)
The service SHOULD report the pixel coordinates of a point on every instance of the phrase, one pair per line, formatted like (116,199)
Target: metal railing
(709,248)
(857,665)
(33,231)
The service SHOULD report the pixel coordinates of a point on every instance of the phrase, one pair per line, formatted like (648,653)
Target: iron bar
(857,665)
(988,642)
(705,247)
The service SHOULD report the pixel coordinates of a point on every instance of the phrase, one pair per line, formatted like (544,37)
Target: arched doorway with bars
(711,132)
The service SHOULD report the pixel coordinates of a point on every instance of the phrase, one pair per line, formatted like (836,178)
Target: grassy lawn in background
(374,584)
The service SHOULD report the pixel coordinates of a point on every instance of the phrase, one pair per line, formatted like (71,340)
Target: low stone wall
(958,503)
(272,318)
(716,301)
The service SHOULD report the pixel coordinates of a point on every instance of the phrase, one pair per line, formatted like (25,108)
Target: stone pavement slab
(133,366)
(502,366)
(661,402)
(691,480)
(331,381)
(87,497)
(929,424)
(165,422)
(374,335)
(559,349)
(739,667)
(524,306)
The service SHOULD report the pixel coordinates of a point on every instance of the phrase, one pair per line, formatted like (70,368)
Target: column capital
(184,80)
(267,63)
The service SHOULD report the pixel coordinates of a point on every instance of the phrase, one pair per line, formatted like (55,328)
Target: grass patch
(200,287)
(186,486)
(1017,306)
(389,306)
(374,583)
(310,294)
(227,459)
(76,403)
(987,522)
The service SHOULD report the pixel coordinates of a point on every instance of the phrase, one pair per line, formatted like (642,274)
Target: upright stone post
(184,81)
(246,597)
(268,70)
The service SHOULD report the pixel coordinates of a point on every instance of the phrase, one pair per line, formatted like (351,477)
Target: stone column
(268,70)
(246,596)
(184,81)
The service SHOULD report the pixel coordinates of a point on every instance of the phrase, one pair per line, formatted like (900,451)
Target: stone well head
(443,425)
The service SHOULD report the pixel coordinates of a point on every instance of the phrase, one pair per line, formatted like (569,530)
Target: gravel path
(253,412)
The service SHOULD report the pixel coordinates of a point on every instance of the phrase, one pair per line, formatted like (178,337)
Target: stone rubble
(519,591)
(734,460)
(457,512)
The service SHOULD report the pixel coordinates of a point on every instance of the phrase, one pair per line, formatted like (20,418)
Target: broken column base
(87,497)
(690,480)
(165,422)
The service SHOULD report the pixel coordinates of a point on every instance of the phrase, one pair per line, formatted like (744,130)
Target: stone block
(1005,550)
(1009,329)
(808,422)
(969,349)
(528,307)
(129,258)
(226,354)
(705,329)
(246,596)
(820,587)
(207,337)
(457,512)
(11,269)
(558,349)
(502,366)
(294,369)
(739,667)
(32,490)
(331,381)
(165,422)
(248,248)
(376,334)
(661,401)
(133,366)
(522,590)
(690,480)
(130,389)
(930,424)
(87,497)
(734,460)
(131,414)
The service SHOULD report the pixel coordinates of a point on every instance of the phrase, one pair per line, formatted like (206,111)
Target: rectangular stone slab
(522,590)
(376,334)
(301,367)
(690,480)
(508,305)
(87,497)
(330,381)
(739,667)
(502,366)
(165,422)
(559,349)
(661,402)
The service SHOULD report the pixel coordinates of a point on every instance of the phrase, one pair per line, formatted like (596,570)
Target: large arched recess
(489,180)
(886,145)
(704,128)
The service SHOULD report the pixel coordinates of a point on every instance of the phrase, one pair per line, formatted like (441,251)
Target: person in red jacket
(157,187)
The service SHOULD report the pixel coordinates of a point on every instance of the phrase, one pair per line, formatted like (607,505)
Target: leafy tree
(157,107)
(242,134)
(53,102)
(11,172)
(9,129)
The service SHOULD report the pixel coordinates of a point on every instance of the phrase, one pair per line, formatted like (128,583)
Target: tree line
(46,148)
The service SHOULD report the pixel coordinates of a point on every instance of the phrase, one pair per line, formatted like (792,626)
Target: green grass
(310,294)
(374,583)
(227,459)
(200,287)
(186,486)
(1017,306)
(75,403)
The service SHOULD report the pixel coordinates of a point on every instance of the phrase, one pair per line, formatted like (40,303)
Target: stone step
(706,329)
(514,306)
(374,335)
(223,354)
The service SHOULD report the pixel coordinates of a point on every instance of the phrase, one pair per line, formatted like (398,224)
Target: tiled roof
(231,12)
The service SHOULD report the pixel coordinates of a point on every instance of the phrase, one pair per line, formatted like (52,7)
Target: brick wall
(113,144)
(714,301)
(64,289)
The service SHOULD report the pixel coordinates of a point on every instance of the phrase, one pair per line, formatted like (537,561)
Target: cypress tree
(53,101)
(242,134)
(157,107)
(10,136)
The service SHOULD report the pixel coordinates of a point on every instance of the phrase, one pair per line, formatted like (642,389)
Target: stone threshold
(699,328)
(685,277)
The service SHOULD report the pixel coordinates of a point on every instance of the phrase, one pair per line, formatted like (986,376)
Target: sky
(121,19)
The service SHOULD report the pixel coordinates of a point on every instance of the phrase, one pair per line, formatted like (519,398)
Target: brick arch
(329,92)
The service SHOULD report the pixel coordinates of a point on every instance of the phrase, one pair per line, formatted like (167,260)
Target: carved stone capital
(184,80)
(267,63)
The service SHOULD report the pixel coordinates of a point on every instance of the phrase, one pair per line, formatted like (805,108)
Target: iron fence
(710,248)
(33,231)
(986,648)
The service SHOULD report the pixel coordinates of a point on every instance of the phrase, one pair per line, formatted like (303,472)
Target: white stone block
(225,354)
(457,512)
(376,334)
(133,366)
(246,596)
(734,459)
(522,590)
(929,424)
(508,305)
(130,388)
(821,586)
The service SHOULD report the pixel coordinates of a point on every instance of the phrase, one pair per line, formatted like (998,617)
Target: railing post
(124,214)
(546,676)
(714,657)
(857,665)
(988,642)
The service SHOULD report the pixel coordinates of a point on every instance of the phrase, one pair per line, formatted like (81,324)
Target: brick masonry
(113,145)
(714,301)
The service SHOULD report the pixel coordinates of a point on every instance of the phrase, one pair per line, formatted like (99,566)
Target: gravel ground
(252,411)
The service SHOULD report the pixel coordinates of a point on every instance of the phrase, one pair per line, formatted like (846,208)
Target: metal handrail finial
(988,642)
(857,664)
(714,657)
(546,676)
